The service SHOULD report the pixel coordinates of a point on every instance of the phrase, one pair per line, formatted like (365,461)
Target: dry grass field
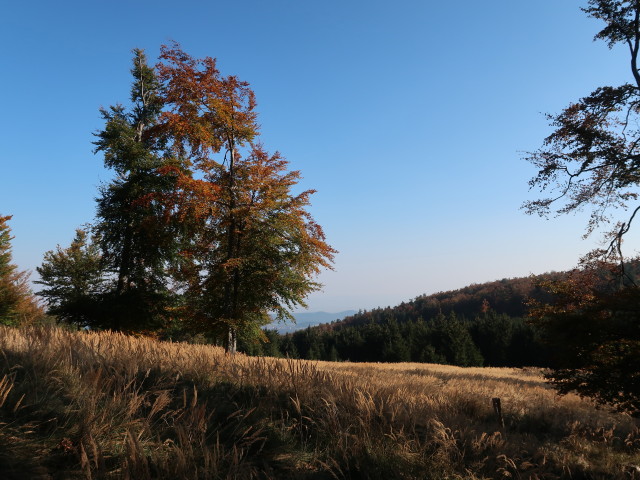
(109,406)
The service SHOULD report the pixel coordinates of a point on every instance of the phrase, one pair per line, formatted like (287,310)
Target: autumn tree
(252,247)
(17,303)
(594,329)
(73,279)
(592,160)
(136,244)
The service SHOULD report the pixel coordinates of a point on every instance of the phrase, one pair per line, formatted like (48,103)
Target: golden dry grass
(106,405)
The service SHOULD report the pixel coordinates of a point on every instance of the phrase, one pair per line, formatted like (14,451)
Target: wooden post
(497,407)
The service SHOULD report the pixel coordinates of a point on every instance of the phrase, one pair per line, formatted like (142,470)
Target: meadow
(76,405)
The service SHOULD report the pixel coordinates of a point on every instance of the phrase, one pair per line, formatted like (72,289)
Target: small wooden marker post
(497,407)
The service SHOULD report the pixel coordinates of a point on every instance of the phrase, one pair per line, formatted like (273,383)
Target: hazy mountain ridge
(309,319)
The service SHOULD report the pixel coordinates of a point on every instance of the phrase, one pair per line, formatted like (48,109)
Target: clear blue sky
(408,117)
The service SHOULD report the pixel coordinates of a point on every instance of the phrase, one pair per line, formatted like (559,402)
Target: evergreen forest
(479,325)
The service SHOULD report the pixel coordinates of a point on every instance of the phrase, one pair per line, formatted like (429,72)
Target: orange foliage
(252,246)
(17,303)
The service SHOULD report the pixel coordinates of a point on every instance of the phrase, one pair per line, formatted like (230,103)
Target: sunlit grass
(106,405)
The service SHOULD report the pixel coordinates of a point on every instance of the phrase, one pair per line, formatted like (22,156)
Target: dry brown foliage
(106,405)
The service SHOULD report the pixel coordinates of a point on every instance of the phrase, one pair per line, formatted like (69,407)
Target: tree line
(479,325)
(490,339)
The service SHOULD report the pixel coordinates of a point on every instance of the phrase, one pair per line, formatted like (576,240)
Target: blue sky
(410,118)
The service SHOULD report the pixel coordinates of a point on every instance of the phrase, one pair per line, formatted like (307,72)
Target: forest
(485,324)
(479,325)
(487,340)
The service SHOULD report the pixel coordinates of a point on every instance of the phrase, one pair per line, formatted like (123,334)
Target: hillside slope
(507,296)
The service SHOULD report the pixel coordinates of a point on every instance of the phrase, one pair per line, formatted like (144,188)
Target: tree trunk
(231,292)
(231,344)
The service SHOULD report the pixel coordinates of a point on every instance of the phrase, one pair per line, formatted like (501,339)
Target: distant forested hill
(482,324)
(506,296)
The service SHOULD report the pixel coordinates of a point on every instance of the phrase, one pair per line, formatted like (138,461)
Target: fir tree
(136,243)
(17,304)
(73,281)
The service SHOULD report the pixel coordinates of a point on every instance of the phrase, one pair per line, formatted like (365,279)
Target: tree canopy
(592,158)
(200,228)
(593,328)
(73,281)
(251,247)
(136,244)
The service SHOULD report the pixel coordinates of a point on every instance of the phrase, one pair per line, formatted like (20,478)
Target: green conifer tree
(73,281)
(17,304)
(136,243)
